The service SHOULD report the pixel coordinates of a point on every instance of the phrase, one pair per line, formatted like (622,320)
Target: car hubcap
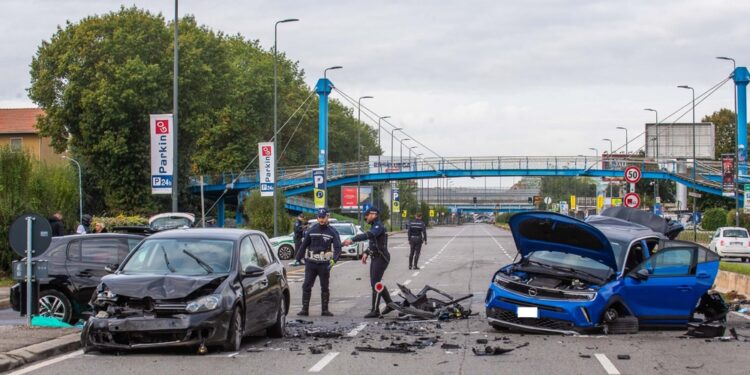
(285,252)
(51,306)
(611,315)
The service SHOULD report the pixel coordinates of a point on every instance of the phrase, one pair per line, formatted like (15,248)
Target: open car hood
(157,287)
(533,231)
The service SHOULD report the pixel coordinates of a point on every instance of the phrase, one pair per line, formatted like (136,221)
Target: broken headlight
(106,295)
(205,303)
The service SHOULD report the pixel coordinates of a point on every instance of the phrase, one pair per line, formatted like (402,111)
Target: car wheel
(55,304)
(286,252)
(622,325)
(279,328)
(234,335)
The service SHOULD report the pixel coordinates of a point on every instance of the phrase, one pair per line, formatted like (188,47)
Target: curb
(32,353)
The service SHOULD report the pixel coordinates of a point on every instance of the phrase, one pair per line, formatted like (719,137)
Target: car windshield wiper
(573,270)
(166,260)
(199,260)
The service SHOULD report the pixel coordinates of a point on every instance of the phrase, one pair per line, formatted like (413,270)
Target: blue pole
(741,78)
(220,213)
(323,89)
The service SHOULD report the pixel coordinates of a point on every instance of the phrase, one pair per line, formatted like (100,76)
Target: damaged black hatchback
(190,287)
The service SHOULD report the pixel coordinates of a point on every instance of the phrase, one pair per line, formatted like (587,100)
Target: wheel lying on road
(55,304)
(286,252)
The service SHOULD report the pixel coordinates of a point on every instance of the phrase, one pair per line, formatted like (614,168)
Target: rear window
(562,233)
(735,233)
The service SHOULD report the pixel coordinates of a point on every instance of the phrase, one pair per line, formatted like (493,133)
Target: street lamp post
(656,156)
(626,139)
(393,135)
(379,146)
(275,123)
(80,188)
(736,152)
(175,92)
(359,149)
(695,164)
(610,156)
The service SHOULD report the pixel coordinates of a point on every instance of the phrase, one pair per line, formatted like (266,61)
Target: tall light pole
(80,188)
(626,139)
(393,135)
(610,156)
(379,146)
(175,143)
(695,164)
(656,156)
(359,149)
(325,71)
(736,152)
(275,123)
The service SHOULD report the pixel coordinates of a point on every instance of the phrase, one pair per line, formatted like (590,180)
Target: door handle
(702,275)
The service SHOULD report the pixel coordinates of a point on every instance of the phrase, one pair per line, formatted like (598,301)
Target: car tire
(55,304)
(278,329)
(286,252)
(234,333)
(623,325)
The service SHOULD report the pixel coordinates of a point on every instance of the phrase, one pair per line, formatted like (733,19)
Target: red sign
(162,126)
(265,150)
(349,196)
(632,174)
(632,200)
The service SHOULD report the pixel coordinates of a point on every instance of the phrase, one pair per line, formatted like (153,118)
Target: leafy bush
(714,218)
(259,211)
(503,218)
(744,219)
(119,221)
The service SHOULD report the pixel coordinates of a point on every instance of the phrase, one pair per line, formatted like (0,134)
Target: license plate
(527,312)
(736,243)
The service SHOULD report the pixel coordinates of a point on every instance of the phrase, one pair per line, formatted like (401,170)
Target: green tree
(714,218)
(259,211)
(560,188)
(724,120)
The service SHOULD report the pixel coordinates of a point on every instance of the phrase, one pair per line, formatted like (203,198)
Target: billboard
(266,170)
(349,198)
(162,153)
(727,174)
(319,187)
(676,140)
(383,164)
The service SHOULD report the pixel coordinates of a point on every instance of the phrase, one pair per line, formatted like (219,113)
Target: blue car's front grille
(539,292)
(511,317)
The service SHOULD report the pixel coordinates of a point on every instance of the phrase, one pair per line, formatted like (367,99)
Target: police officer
(417,233)
(299,232)
(378,251)
(321,248)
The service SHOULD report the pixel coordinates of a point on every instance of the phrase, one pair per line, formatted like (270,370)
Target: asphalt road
(457,260)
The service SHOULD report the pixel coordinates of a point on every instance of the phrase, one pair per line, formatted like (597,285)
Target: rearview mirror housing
(642,274)
(111,268)
(253,271)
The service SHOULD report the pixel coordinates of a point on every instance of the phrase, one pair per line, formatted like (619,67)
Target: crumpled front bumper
(178,330)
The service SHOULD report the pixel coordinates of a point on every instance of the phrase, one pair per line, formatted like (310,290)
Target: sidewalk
(20,345)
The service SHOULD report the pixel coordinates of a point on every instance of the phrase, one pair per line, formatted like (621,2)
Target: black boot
(305,304)
(375,311)
(324,298)
(387,298)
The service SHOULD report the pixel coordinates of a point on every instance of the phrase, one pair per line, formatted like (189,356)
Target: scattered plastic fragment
(623,356)
(489,350)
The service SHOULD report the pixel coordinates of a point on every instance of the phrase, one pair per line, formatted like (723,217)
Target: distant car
(190,288)
(76,265)
(731,242)
(284,245)
(604,274)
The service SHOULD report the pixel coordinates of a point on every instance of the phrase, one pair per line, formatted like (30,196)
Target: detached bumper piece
(420,305)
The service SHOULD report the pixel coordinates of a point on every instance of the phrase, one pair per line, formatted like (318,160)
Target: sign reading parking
(266,170)
(319,187)
(632,174)
(162,153)
(632,200)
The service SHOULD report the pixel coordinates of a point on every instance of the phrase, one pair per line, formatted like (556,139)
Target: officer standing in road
(378,251)
(299,232)
(417,234)
(321,248)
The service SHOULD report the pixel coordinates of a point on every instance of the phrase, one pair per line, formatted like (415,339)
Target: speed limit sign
(632,174)
(631,200)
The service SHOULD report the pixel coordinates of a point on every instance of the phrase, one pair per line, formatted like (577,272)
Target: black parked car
(76,265)
(191,287)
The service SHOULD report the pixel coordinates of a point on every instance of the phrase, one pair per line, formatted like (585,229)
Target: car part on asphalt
(623,356)
(402,348)
(427,307)
(320,349)
(490,350)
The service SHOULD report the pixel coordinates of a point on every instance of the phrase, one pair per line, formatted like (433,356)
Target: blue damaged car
(605,274)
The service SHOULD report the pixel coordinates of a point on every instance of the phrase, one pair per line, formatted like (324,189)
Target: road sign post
(30,235)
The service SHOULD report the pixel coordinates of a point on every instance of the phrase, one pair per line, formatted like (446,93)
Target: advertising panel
(727,174)
(319,187)
(162,153)
(266,170)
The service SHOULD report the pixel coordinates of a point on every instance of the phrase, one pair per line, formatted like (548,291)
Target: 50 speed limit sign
(631,200)
(632,174)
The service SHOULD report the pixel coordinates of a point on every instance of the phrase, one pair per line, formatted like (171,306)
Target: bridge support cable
(220,199)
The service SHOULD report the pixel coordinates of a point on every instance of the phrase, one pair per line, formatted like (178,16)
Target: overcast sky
(481,78)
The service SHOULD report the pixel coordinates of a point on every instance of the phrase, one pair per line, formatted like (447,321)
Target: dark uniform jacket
(418,229)
(378,239)
(321,244)
(299,230)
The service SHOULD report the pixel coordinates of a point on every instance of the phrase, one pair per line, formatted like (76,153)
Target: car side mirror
(111,268)
(642,274)
(253,271)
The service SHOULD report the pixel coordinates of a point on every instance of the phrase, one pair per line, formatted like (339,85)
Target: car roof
(622,230)
(725,228)
(72,237)
(206,233)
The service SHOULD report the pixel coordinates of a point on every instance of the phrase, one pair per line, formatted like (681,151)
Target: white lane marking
(46,363)
(407,282)
(323,362)
(498,244)
(356,330)
(415,274)
(607,364)
(740,314)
